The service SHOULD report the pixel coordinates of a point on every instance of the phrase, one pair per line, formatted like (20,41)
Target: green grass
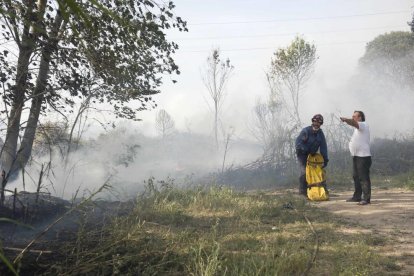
(217,231)
(405,180)
(344,181)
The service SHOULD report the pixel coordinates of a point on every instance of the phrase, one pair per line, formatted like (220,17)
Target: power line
(285,34)
(268,48)
(296,19)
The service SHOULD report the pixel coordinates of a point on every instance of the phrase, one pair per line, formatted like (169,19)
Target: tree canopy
(390,56)
(290,68)
(55,51)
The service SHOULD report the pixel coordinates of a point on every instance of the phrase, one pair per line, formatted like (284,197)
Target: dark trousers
(303,185)
(362,182)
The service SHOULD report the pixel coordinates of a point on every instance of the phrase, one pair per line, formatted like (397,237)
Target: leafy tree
(66,46)
(215,77)
(390,58)
(291,67)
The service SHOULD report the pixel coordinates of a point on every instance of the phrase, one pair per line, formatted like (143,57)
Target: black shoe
(363,202)
(353,200)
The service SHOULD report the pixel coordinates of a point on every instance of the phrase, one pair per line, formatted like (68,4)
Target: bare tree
(262,125)
(164,124)
(269,130)
(215,77)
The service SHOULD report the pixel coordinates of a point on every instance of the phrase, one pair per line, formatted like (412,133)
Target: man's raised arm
(350,122)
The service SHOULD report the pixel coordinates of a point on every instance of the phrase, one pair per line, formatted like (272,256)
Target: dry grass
(216,231)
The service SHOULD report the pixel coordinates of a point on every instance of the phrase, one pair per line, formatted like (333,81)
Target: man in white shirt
(359,146)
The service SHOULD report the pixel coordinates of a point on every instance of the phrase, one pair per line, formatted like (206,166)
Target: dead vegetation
(199,231)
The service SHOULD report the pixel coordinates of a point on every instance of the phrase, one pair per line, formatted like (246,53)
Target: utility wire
(297,19)
(267,48)
(286,34)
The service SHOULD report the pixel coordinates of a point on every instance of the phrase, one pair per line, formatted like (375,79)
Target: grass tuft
(217,231)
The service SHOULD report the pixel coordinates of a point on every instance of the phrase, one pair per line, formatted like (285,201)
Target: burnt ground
(14,237)
(391,214)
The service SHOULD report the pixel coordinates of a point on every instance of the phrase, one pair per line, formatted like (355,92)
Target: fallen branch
(28,251)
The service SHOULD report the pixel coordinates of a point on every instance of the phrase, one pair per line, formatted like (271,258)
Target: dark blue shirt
(309,142)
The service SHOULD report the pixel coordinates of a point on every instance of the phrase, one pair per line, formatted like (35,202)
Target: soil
(391,214)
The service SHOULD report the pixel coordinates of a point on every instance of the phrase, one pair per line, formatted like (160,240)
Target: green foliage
(411,24)
(291,68)
(8,264)
(410,183)
(296,59)
(206,259)
(108,51)
(119,46)
(391,56)
(393,45)
(403,180)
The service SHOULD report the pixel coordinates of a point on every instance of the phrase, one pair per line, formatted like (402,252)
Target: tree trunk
(8,152)
(37,98)
(216,123)
(12,160)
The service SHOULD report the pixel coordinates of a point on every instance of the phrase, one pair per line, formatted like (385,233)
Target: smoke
(125,159)
(385,99)
(129,155)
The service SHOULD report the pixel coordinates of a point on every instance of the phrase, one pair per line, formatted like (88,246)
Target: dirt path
(391,213)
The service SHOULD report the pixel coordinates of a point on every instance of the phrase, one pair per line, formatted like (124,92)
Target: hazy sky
(249,32)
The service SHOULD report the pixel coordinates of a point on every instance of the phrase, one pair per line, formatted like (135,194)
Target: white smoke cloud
(127,159)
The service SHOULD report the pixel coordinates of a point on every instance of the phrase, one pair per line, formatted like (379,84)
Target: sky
(249,32)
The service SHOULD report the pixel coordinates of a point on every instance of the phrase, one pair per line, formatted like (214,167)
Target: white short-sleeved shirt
(360,141)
